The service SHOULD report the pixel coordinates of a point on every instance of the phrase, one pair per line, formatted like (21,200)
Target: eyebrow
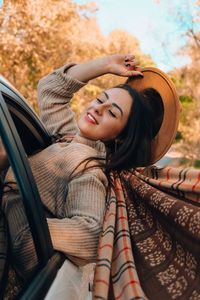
(114,104)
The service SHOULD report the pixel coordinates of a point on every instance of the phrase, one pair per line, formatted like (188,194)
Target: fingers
(129,57)
(132,66)
(135,73)
(132,63)
(139,68)
(125,65)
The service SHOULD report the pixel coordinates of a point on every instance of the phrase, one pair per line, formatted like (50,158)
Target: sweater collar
(98,145)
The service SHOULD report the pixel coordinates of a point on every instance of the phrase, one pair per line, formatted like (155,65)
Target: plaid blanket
(115,257)
(150,244)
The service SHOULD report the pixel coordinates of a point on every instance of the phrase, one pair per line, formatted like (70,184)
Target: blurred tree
(187,16)
(40,35)
(36,37)
(191,72)
(187,78)
(120,41)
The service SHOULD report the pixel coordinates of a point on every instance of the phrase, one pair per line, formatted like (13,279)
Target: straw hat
(168,112)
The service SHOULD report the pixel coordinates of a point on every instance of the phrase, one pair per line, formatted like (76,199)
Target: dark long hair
(132,147)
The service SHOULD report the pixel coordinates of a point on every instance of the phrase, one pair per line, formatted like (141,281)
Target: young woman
(113,133)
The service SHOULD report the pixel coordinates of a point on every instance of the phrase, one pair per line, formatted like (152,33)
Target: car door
(22,133)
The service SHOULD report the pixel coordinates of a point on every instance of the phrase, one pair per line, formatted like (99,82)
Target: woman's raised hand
(121,65)
(124,65)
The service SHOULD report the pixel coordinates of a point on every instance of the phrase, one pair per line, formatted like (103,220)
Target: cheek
(112,130)
(81,121)
(117,128)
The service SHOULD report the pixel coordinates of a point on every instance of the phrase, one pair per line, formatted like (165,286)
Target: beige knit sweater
(77,216)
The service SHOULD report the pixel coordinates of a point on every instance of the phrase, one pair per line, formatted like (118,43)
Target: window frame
(49,260)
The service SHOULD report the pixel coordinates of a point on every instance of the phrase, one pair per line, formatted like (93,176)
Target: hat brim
(158,80)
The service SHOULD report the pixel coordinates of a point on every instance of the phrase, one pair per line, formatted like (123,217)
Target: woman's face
(105,117)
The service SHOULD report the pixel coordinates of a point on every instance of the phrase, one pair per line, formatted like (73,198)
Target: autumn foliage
(40,35)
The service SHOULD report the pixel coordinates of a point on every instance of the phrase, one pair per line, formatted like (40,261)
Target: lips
(90,118)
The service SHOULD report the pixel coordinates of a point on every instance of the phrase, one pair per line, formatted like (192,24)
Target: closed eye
(99,100)
(112,114)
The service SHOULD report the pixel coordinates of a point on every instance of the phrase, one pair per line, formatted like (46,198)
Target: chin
(86,132)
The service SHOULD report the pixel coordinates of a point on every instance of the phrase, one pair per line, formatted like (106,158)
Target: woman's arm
(56,89)
(121,65)
(54,94)
(78,235)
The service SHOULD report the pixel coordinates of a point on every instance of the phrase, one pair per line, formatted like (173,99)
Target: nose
(100,107)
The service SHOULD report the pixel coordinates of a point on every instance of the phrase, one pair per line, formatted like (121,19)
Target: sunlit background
(40,35)
(160,26)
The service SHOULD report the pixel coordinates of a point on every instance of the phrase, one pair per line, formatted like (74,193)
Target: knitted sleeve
(78,235)
(54,94)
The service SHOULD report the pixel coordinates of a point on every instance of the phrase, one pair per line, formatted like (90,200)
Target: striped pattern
(184,183)
(165,233)
(103,267)
(115,258)
(153,253)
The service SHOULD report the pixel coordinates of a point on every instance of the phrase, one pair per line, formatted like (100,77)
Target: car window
(14,150)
